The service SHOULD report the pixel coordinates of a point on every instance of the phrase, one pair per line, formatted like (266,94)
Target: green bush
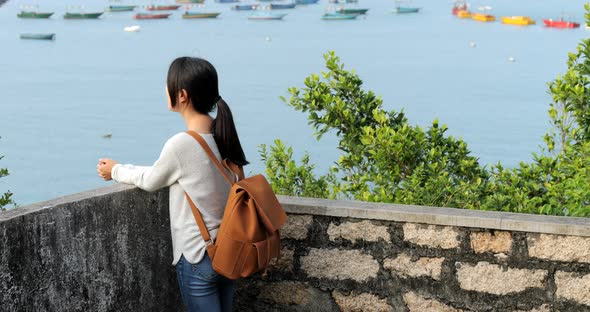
(6,198)
(386,159)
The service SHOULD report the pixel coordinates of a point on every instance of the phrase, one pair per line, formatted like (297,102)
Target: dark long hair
(199,78)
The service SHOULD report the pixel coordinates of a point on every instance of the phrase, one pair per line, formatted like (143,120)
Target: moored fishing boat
(245,7)
(560,23)
(304,2)
(30,14)
(401,10)
(227,1)
(38,36)
(352,11)
(282,6)
(162,7)
(190,15)
(483,17)
(517,20)
(267,16)
(70,15)
(464,14)
(120,8)
(190,1)
(335,16)
(142,16)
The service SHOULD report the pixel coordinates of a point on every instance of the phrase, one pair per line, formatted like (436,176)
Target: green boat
(120,8)
(402,10)
(69,15)
(352,11)
(190,1)
(333,16)
(200,15)
(38,36)
(29,14)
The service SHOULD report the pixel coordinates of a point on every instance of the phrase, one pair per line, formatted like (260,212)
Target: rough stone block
(295,293)
(445,237)
(361,303)
(541,308)
(572,286)
(296,226)
(496,242)
(559,247)
(353,231)
(417,303)
(339,264)
(284,262)
(494,279)
(404,265)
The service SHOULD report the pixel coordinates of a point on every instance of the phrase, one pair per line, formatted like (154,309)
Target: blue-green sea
(58,98)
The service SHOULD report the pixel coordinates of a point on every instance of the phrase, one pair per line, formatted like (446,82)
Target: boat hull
(404,10)
(304,2)
(24,14)
(190,1)
(245,7)
(464,14)
(560,23)
(121,8)
(483,17)
(150,16)
(517,20)
(352,11)
(200,15)
(339,16)
(281,6)
(162,7)
(266,17)
(38,36)
(82,15)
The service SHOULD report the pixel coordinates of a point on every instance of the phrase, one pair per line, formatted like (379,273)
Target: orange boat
(464,14)
(140,16)
(162,7)
(560,23)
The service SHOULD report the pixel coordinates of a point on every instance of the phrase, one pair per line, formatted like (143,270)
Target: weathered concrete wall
(109,250)
(104,250)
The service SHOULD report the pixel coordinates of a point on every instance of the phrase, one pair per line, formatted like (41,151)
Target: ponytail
(226,135)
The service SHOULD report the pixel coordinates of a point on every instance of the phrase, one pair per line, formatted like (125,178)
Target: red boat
(560,23)
(162,7)
(150,16)
(459,5)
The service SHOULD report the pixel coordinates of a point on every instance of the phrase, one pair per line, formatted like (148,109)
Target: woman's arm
(164,172)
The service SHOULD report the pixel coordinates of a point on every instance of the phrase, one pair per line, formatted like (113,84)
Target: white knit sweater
(184,165)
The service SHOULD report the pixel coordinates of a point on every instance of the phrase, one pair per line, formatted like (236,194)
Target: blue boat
(245,7)
(401,10)
(334,16)
(267,16)
(38,36)
(227,1)
(306,1)
(282,6)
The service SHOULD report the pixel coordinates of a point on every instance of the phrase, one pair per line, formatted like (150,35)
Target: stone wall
(109,250)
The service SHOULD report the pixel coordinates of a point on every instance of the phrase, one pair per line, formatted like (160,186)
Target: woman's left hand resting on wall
(104,168)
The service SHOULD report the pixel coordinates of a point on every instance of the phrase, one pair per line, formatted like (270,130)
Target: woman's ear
(183,97)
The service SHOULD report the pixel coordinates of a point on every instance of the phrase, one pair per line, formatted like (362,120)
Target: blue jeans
(202,289)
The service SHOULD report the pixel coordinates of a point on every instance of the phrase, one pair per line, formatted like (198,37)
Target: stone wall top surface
(378,211)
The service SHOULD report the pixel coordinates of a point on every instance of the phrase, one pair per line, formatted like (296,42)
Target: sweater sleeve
(164,172)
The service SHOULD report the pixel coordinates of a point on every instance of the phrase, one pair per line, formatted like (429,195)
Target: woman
(183,165)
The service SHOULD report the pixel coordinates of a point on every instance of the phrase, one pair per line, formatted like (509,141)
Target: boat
(227,1)
(464,14)
(134,28)
(401,10)
(483,17)
(190,1)
(305,2)
(459,5)
(560,23)
(267,16)
(245,7)
(142,16)
(70,15)
(200,15)
(282,6)
(120,8)
(352,11)
(343,1)
(517,20)
(162,7)
(38,36)
(334,16)
(30,14)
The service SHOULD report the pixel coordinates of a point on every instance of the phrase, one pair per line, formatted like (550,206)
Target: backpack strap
(200,223)
(209,153)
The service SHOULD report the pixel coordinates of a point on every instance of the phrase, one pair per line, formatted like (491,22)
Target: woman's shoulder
(183,141)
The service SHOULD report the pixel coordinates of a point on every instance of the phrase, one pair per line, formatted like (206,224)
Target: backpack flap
(269,209)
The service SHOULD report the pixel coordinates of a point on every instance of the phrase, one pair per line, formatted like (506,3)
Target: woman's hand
(104,168)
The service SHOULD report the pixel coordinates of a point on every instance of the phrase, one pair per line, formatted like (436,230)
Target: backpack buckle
(209,243)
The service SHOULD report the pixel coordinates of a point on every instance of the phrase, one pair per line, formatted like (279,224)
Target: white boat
(134,28)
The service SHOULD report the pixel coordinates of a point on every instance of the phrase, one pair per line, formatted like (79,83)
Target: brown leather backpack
(248,237)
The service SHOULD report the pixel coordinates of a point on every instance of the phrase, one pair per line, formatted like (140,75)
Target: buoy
(472,44)
(133,28)
(511,59)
